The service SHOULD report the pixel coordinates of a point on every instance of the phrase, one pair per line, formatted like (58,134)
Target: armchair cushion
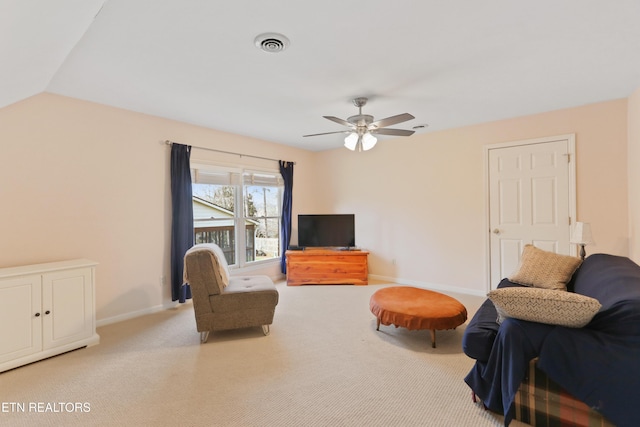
(245,293)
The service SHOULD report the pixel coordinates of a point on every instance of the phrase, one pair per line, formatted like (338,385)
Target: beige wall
(420,201)
(633,118)
(81,180)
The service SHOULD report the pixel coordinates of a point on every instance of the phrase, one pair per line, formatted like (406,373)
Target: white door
(531,200)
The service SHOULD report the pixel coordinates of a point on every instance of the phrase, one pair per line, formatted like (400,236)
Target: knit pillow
(543,269)
(545,306)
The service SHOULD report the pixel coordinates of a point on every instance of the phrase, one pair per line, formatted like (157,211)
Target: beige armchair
(223,302)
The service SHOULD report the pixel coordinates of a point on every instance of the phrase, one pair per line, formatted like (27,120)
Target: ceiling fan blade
(328,133)
(396,132)
(340,121)
(393,120)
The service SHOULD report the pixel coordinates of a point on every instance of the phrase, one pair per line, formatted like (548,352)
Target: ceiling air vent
(271,42)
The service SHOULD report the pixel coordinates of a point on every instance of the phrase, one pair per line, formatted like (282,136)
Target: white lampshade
(351,141)
(582,234)
(368,141)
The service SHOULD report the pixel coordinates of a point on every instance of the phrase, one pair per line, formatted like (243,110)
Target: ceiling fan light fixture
(368,141)
(351,141)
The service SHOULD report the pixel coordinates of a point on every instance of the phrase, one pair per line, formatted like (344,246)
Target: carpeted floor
(324,364)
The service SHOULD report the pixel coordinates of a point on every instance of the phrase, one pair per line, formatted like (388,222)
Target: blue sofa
(598,364)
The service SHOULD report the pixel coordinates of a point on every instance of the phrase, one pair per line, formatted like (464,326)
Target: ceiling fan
(362,128)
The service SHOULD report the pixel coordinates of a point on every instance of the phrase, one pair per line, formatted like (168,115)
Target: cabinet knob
(47,312)
(37,314)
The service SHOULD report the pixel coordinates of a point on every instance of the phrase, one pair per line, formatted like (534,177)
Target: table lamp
(582,236)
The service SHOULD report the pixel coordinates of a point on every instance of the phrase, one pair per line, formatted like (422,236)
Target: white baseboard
(272,271)
(138,313)
(428,285)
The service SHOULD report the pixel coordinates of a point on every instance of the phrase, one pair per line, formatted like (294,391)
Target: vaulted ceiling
(449,63)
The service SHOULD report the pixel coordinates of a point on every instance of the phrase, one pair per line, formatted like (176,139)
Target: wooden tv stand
(320,266)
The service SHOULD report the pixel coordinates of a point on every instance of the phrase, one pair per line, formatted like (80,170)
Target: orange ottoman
(415,308)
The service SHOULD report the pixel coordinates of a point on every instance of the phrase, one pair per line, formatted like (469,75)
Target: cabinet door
(20,317)
(67,306)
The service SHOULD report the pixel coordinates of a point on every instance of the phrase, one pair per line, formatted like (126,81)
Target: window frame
(205,173)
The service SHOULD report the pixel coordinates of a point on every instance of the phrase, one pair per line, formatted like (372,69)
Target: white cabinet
(45,310)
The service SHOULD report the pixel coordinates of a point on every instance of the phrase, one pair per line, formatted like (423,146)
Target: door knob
(496,231)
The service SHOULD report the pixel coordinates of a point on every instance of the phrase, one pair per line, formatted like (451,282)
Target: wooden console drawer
(326,266)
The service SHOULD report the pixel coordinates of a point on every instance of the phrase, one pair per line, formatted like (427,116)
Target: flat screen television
(337,230)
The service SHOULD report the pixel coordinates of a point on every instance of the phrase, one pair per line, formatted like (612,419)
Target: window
(239,211)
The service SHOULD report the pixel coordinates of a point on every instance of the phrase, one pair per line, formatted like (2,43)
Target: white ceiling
(449,63)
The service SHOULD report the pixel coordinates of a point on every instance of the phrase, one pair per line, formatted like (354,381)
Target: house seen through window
(239,211)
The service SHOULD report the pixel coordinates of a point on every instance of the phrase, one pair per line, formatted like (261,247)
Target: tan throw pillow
(543,269)
(545,306)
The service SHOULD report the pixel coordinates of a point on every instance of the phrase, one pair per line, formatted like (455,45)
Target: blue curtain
(286,170)
(181,219)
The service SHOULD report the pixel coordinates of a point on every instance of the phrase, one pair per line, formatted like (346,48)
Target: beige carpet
(324,364)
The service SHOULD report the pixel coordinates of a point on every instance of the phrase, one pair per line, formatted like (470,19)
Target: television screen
(336,230)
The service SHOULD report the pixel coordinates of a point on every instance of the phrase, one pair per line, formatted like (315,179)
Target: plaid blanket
(543,403)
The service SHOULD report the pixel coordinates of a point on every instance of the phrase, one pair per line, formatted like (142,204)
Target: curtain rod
(227,152)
